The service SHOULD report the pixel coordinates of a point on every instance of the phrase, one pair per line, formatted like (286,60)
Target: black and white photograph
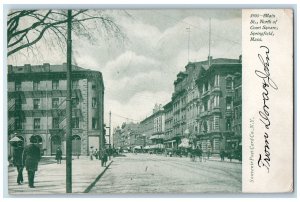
(124,101)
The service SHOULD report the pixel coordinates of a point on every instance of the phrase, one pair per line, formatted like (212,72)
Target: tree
(25,28)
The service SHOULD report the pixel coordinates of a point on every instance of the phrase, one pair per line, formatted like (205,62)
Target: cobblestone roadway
(144,173)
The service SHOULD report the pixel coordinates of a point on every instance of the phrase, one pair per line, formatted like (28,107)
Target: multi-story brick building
(216,107)
(179,98)
(237,109)
(157,135)
(146,130)
(168,137)
(126,136)
(37,106)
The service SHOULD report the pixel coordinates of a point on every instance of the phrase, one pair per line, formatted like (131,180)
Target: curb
(88,189)
(240,162)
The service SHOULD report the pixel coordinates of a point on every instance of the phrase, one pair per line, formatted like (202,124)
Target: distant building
(117,138)
(126,136)
(37,106)
(157,135)
(168,137)
(179,100)
(146,130)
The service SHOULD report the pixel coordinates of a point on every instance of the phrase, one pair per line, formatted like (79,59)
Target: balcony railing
(216,89)
(204,94)
(228,112)
(203,114)
(216,110)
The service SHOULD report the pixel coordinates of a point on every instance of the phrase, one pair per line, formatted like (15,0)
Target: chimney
(46,67)
(240,58)
(209,59)
(27,68)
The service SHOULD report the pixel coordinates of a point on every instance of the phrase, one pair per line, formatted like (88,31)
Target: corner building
(37,107)
(217,99)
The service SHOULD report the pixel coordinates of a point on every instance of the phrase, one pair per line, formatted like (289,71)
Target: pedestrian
(31,158)
(208,153)
(104,158)
(222,155)
(18,161)
(91,153)
(96,154)
(101,156)
(58,155)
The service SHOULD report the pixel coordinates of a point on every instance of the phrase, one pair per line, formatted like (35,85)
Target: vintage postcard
(149,101)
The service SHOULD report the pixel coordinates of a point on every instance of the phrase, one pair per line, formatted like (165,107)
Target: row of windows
(55,85)
(55,103)
(55,123)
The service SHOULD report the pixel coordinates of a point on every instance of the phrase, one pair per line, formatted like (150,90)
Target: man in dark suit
(58,155)
(18,161)
(31,157)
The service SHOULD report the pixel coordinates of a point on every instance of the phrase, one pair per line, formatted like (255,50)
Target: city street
(145,173)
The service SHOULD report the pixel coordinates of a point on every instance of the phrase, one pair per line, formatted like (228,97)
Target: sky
(139,69)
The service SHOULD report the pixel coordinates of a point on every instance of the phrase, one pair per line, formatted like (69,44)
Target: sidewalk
(51,177)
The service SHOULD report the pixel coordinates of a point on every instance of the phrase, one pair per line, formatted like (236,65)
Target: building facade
(157,136)
(179,98)
(37,107)
(216,86)
(168,137)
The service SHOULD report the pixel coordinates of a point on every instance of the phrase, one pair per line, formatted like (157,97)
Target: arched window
(229,83)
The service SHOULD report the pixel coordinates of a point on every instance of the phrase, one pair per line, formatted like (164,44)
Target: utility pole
(189,32)
(109,129)
(69,107)
(209,33)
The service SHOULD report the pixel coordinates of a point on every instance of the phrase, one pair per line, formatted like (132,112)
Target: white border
(149,3)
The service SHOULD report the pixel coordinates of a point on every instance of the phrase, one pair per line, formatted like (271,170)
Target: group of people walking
(101,155)
(28,157)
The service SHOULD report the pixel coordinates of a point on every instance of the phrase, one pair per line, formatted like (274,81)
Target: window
(75,122)
(229,83)
(55,84)
(75,84)
(36,103)
(94,102)
(18,86)
(94,123)
(217,80)
(93,86)
(18,104)
(18,123)
(36,85)
(36,123)
(55,122)
(228,124)
(216,122)
(228,103)
(75,102)
(55,103)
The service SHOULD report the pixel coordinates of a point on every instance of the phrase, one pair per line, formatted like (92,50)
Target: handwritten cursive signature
(267,82)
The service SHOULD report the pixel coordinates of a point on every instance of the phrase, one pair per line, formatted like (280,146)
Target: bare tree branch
(27,27)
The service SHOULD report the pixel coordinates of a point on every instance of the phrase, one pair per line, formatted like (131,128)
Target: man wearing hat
(18,161)
(31,157)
